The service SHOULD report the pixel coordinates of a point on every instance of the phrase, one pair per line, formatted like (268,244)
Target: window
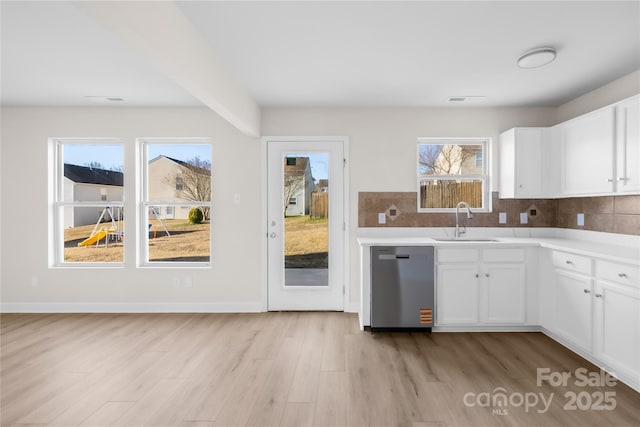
(88,202)
(451,170)
(176,185)
(479,159)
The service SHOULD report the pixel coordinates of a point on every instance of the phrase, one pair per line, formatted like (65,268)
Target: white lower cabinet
(502,294)
(617,319)
(457,294)
(597,311)
(574,308)
(471,289)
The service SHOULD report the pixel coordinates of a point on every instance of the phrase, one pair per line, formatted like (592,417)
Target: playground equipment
(152,212)
(112,232)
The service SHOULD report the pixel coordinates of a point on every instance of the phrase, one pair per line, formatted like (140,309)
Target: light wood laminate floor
(282,369)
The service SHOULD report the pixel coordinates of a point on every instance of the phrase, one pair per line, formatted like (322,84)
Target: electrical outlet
(34,281)
(580,220)
(382,218)
(502,218)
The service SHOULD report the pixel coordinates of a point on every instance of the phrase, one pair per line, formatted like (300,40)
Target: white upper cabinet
(523,166)
(599,152)
(586,150)
(628,146)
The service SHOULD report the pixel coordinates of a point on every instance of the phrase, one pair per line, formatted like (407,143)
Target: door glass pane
(306,219)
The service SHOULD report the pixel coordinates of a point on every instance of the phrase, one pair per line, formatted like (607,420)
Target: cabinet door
(521,163)
(503,293)
(457,294)
(628,146)
(528,171)
(587,153)
(617,324)
(573,308)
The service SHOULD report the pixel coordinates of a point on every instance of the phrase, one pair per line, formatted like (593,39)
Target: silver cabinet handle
(587,291)
(569,262)
(609,179)
(486,275)
(620,178)
(622,275)
(477,275)
(272,235)
(598,295)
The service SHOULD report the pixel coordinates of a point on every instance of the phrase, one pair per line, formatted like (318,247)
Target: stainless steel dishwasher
(402,288)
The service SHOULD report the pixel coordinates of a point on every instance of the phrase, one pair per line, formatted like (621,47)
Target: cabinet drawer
(458,255)
(503,255)
(571,262)
(620,273)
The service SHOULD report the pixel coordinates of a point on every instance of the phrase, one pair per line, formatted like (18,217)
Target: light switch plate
(382,218)
(502,218)
(580,220)
(524,219)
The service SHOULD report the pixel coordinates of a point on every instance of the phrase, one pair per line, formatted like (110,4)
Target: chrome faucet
(469,216)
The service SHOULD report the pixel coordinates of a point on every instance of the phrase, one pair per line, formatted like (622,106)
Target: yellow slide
(95,237)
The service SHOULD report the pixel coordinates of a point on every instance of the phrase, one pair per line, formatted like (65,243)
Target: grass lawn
(306,242)
(188,242)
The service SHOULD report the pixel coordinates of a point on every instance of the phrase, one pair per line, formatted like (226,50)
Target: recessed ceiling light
(537,57)
(99,99)
(465,98)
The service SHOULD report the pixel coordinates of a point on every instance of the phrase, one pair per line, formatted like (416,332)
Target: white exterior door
(305,253)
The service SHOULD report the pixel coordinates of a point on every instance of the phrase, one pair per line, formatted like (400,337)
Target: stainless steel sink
(464,239)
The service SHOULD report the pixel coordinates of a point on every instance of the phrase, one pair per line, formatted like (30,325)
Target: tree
(445,159)
(293,184)
(193,182)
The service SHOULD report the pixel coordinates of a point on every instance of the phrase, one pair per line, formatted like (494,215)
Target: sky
(319,163)
(111,156)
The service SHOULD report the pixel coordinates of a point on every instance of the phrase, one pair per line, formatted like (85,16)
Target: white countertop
(608,246)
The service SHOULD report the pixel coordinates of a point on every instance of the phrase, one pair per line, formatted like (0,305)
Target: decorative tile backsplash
(612,214)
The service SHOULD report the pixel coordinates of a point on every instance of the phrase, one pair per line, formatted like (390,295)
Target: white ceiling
(362,53)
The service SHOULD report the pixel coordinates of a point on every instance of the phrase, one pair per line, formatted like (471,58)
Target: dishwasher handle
(392,257)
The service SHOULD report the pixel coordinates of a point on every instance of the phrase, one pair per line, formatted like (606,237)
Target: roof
(298,165)
(190,165)
(87,175)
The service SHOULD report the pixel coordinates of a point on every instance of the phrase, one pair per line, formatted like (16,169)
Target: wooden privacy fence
(446,194)
(319,205)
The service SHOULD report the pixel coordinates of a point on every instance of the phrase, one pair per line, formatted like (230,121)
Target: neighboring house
(299,184)
(323,186)
(459,160)
(86,184)
(166,183)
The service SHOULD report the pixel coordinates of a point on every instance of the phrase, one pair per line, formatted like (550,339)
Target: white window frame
(484,176)
(58,204)
(145,203)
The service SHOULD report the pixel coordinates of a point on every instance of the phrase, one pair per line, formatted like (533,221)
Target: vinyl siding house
(86,184)
(299,184)
(167,183)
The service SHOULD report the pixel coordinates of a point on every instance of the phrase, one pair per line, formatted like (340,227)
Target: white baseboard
(354,307)
(487,328)
(134,307)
